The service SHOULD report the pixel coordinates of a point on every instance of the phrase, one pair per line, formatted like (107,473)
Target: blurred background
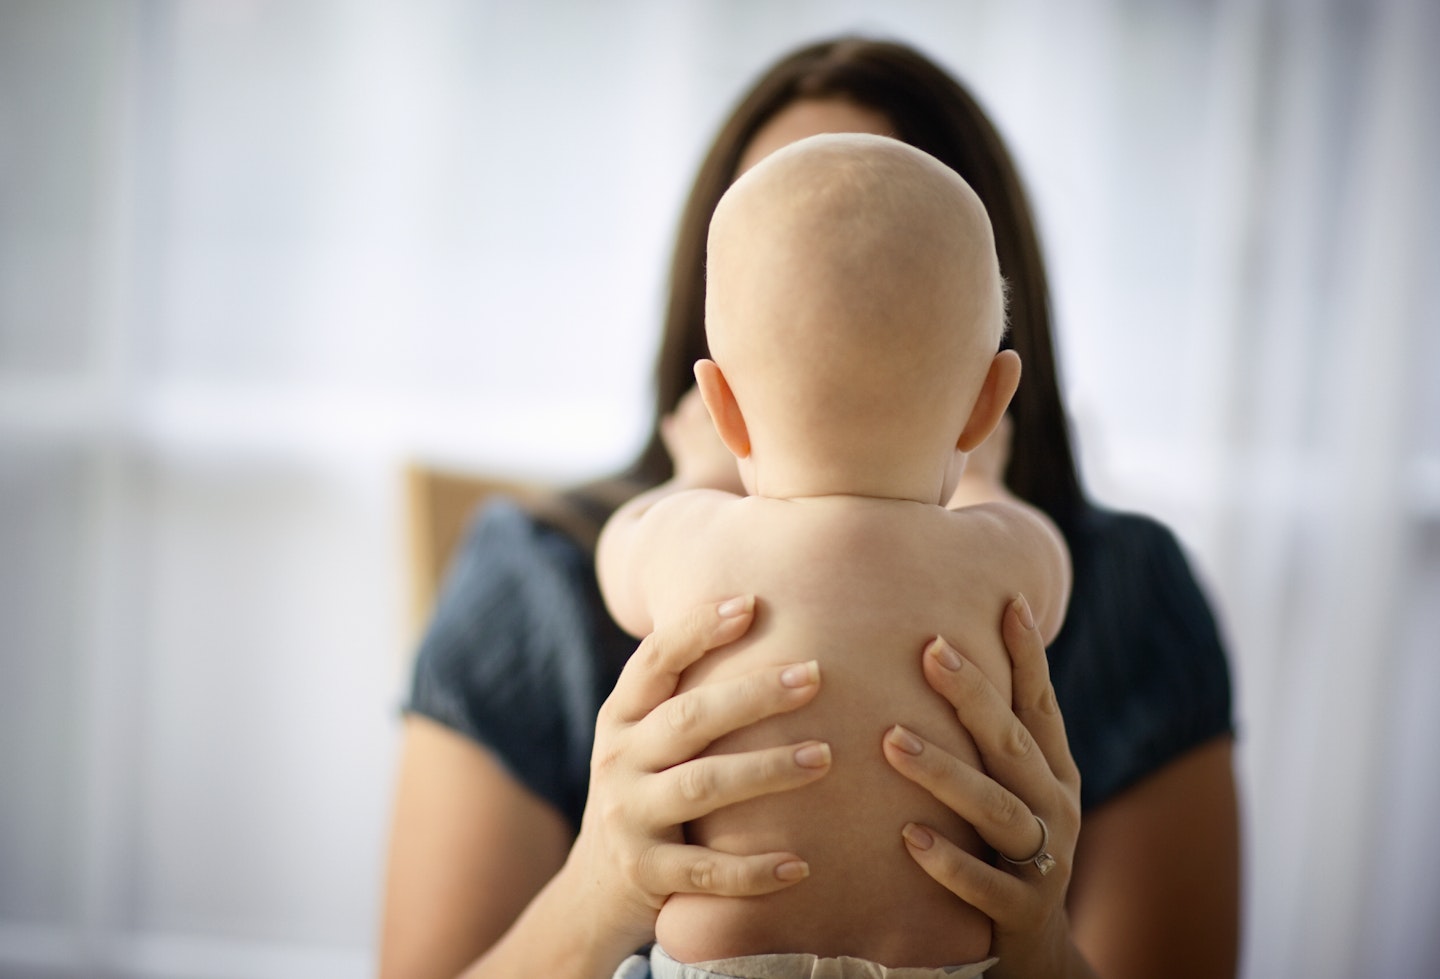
(257,255)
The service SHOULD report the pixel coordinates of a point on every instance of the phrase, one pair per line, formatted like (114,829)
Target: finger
(683,726)
(1033,694)
(1001,818)
(1007,749)
(679,869)
(699,787)
(998,895)
(653,670)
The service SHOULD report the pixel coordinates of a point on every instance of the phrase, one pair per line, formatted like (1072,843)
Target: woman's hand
(646,781)
(1031,777)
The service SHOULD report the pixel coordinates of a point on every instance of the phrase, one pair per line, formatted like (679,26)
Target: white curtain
(1328,367)
(255,254)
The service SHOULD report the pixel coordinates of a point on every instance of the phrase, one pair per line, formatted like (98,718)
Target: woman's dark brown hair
(932,111)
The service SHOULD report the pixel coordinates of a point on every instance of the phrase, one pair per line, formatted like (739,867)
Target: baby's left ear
(999,386)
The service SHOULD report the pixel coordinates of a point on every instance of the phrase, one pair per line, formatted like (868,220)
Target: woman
(538,832)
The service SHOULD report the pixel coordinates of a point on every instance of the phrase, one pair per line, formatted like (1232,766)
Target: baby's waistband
(802,966)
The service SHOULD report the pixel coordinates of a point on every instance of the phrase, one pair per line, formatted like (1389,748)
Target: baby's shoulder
(992,513)
(1003,521)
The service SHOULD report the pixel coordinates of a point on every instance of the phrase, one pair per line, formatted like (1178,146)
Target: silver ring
(1043,861)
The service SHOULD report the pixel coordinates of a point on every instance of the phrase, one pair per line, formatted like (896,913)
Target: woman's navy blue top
(520,653)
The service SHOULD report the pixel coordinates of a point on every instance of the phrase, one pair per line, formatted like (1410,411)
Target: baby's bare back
(861,588)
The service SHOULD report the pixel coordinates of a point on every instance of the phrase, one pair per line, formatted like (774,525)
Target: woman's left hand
(1029,776)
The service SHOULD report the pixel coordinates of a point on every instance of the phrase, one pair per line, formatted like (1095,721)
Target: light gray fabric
(797,966)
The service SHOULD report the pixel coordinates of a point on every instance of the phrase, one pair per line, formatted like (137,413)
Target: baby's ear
(999,386)
(724,410)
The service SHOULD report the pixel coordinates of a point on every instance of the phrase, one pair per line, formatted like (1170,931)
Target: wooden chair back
(439,503)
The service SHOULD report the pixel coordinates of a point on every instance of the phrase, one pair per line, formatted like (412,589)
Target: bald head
(870,221)
(852,288)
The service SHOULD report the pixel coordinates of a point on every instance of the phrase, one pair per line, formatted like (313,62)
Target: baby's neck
(889,486)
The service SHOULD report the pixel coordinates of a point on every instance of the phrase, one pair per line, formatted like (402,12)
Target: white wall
(254,255)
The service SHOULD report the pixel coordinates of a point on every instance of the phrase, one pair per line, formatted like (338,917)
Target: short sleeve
(1139,667)
(512,657)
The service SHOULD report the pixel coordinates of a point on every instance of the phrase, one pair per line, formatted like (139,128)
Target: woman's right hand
(646,781)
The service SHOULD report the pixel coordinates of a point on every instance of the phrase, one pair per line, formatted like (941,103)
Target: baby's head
(854,306)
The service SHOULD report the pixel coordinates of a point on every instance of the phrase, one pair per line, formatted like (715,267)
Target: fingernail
(801,674)
(793,870)
(918,836)
(905,741)
(943,654)
(733,607)
(1022,610)
(816,754)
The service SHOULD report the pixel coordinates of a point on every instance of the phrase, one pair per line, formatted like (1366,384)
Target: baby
(854,311)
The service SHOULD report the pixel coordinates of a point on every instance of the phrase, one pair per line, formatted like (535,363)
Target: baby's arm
(1035,557)
(644,540)
(647,542)
(1036,549)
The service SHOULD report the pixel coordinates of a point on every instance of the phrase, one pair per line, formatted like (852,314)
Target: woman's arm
(1157,873)
(452,888)
(484,873)
(1123,899)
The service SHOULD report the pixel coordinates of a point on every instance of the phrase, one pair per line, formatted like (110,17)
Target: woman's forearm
(1156,888)
(483,872)
(559,934)
(1074,966)
(1063,961)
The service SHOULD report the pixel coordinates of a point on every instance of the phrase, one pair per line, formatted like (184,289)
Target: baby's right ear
(998,388)
(724,410)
